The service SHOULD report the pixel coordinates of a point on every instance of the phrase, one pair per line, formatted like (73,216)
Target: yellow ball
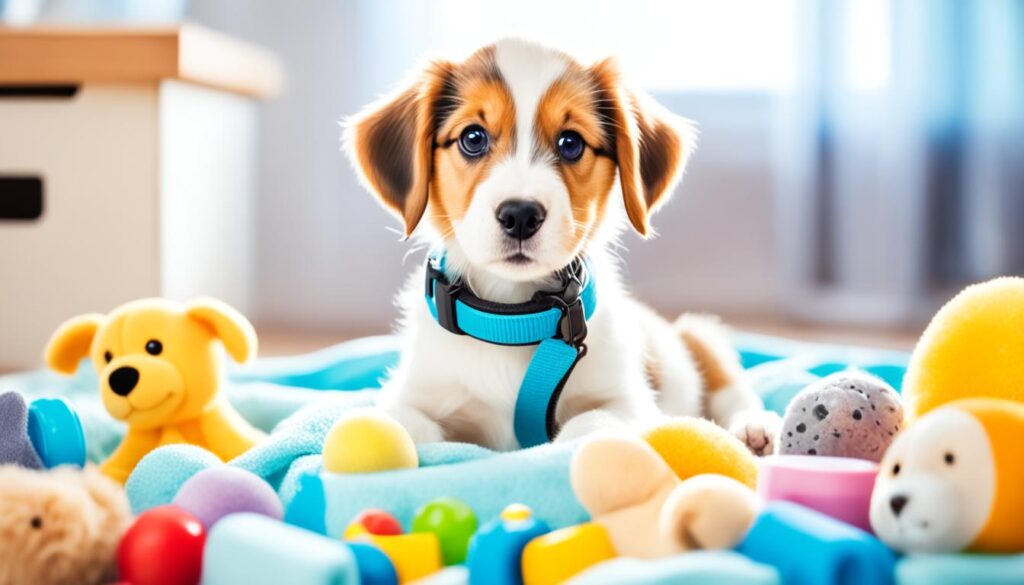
(367,441)
(692,446)
(973,347)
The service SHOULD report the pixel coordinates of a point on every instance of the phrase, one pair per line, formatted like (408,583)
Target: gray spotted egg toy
(847,414)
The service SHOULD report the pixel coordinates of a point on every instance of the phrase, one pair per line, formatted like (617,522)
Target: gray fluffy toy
(15,446)
(848,414)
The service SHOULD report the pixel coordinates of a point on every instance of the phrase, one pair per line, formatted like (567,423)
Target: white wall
(325,259)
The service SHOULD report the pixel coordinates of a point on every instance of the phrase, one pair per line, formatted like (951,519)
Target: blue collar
(554,321)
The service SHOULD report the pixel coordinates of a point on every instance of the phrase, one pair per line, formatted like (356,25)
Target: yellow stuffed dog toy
(161,368)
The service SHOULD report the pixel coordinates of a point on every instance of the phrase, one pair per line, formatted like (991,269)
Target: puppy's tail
(708,342)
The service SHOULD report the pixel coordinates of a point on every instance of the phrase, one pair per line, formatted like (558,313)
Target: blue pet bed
(297,399)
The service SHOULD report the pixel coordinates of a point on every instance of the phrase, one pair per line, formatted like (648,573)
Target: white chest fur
(470,386)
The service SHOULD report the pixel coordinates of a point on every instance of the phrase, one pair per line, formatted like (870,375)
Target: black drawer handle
(21,198)
(63,90)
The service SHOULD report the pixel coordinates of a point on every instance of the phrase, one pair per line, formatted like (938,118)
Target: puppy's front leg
(741,411)
(420,426)
(617,414)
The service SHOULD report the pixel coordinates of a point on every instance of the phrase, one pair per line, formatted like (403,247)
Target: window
(697,45)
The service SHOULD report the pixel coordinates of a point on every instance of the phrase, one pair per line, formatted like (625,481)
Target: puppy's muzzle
(123,380)
(520,219)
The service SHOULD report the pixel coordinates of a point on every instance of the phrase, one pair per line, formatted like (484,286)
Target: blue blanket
(297,399)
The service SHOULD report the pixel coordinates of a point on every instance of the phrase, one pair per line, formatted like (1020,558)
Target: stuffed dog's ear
(71,342)
(610,472)
(652,145)
(228,325)
(391,144)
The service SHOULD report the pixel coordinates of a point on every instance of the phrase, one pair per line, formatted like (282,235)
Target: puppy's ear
(651,144)
(71,342)
(228,325)
(391,144)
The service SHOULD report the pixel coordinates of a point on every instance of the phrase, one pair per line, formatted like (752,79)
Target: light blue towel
(292,397)
(957,569)
(694,568)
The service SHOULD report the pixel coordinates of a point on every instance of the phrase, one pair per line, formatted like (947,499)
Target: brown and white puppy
(521,159)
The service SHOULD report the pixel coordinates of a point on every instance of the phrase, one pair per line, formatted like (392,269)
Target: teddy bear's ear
(228,325)
(71,342)
(611,472)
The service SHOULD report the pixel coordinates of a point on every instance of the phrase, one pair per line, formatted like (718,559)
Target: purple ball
(217,492)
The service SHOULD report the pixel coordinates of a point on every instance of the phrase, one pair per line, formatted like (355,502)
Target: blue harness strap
(553,321)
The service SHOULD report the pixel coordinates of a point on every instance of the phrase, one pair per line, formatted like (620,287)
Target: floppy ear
(611,471)
(391,144)
(230,326)
(71,342)
(652,145)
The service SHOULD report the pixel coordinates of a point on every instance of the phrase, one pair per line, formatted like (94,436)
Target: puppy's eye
(949,458)
(474,141)
(107,356)
(36,522)
(154,347)
(570,145)
(896,469)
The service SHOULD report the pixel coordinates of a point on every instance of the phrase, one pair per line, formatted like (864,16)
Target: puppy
(524,161)
(161,370)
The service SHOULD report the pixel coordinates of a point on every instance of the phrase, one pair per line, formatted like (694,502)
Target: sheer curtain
(901,156)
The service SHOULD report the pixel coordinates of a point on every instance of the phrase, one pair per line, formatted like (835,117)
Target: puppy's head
(513,155)
(158,362)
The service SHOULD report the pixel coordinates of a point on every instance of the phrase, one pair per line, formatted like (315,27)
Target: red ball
(378,522)
(163,547)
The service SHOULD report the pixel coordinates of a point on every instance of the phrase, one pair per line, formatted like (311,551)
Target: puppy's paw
(420,427)
(757,429)
(588,422)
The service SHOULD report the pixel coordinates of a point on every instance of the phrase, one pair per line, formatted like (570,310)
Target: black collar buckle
(572,326)
(444,294)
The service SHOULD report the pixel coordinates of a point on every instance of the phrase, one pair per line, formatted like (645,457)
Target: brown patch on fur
(479,96)
(571,104)
(392,143)
(716,358)
(652,369)
(650,144)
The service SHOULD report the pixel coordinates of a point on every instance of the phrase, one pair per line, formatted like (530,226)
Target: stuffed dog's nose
(520,219)
(123,380)
(897,503)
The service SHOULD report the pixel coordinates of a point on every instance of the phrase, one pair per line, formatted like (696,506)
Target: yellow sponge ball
(973,347)
(692,446)
(367,440)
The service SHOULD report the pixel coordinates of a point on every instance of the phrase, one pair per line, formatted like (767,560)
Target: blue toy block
(957,569)
(718,567)
(306,509)
(810,548)
(257,550)
(375,568)
(496,550)
(56,432)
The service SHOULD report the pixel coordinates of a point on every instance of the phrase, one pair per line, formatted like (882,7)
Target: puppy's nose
(123,380)
(520,219)
(897,503)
